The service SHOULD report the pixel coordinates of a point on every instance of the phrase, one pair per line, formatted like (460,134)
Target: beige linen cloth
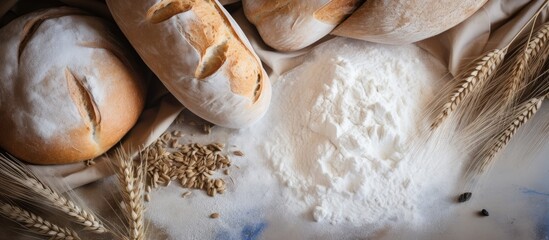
(493,26)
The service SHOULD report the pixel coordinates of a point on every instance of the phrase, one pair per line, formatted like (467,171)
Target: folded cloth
(493,26)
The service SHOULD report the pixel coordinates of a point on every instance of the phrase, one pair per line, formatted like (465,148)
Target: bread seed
(214,215)
(484,213)
(218,146)
(177,133)
(464,197)
(173,143)
(185,194)
(238,153)
(89,162)
(207,128)
(165,137)
(218,183)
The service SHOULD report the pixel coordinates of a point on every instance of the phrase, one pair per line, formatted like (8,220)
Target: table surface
(515,192)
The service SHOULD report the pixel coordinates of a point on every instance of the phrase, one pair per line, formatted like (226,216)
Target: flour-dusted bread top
(405,21)
(67,91)
(289,25)
(201,56)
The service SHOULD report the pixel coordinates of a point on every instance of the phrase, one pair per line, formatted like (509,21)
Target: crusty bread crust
(201,56)
(335,11)
(67,90)
(405,21)
(289,25)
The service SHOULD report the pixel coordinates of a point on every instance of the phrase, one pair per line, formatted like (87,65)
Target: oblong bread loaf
(67,89)
(201,56)
(405,21)
(290,25)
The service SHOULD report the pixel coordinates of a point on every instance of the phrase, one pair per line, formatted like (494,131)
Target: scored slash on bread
(84,101)
(200,54)
(164,10)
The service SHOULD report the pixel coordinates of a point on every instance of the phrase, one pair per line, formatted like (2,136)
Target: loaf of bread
(290,25)
(405,21)
(67,90)
(200,54)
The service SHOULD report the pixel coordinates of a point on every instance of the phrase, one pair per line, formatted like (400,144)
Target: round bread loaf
(67,91)
(200,54)
(405,21)
(290,25)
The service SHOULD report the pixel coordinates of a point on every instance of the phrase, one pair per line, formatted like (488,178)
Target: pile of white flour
(334,148)
(339,129)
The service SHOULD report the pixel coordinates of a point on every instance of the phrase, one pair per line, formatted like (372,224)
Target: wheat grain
(36,223)
(89,162)
(131,179)
(534,51)
(501,140)
(207,128)
(185,194)
(193,165)
(238,153)
(482,71)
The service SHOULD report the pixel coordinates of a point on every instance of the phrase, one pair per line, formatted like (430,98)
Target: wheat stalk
(36,223)
(534,50)
(17,174)
(501,140)
(482,70)
(131,179)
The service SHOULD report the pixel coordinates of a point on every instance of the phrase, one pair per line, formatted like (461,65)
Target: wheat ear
(19,175)
(482,71)
(77,214)
(534,50)
(36,223)
(131,179)
(525,113)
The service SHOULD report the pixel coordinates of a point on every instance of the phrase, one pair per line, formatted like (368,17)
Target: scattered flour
(334,147)
(340,127)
